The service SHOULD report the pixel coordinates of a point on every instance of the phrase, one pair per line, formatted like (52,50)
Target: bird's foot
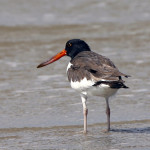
(83,132)
(106,130)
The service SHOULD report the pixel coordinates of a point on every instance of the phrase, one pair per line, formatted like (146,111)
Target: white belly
(87,86)
(83,85)
(102,90)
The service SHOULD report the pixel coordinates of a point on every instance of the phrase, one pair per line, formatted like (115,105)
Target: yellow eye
(69,44)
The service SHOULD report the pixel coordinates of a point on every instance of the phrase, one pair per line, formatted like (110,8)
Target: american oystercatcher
(90,74)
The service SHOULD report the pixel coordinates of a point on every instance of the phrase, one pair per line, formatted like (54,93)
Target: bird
(90,73)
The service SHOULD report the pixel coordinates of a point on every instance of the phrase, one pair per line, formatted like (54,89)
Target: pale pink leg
(85,111)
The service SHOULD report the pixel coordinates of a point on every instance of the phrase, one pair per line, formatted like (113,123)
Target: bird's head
(72,48)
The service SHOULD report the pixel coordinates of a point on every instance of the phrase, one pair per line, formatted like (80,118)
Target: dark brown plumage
(94,66)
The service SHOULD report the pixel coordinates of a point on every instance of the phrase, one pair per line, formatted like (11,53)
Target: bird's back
(94,67)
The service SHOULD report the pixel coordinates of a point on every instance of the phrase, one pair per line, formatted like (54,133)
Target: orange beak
(54,58)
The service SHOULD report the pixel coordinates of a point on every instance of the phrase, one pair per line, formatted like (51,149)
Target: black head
(75,46)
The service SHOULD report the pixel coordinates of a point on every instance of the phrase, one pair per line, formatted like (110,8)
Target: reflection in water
(133,130)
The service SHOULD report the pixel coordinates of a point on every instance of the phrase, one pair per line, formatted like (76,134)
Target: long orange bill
(54,58)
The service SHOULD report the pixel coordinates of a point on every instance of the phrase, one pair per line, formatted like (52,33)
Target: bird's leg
(85,111)
(85,120)
(108,114)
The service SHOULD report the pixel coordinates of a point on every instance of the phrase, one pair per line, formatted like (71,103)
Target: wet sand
(124,135)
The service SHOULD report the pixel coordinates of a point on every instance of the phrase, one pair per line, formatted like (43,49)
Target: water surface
(38,109)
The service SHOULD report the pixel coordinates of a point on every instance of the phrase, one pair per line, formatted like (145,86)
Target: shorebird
(90,74)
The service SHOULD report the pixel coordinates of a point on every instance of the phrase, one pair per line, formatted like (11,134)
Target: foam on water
(44,77)
(140,90)
(12,64)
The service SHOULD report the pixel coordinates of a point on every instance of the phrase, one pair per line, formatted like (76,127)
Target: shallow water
(124,135)
(38,109)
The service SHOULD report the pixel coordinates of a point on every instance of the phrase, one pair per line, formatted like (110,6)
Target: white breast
(83,85)
(69,65)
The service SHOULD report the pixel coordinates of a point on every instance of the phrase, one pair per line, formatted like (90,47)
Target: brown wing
(93,66)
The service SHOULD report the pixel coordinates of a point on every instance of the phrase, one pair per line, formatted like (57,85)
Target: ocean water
(38,108)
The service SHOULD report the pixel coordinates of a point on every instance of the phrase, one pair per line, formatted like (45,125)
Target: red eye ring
(69,44)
